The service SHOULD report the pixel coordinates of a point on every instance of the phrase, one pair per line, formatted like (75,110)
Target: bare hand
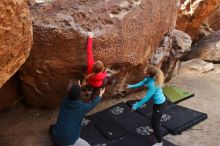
(102,91)
(90,34)
(129,86)
(79,83)
(135,106)
(70,84)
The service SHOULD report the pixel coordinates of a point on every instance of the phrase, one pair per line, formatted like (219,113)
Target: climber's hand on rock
(90,34)
(108,68)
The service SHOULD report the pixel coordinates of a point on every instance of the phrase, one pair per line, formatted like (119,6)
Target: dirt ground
(29,127)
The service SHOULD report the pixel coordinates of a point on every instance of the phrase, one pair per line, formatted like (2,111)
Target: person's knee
(81,142)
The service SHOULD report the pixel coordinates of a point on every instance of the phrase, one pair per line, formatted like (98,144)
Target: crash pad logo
(144,130)
(85,122)
(117,110)
(165,118)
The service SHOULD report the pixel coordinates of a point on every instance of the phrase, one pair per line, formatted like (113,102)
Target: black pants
(158,110)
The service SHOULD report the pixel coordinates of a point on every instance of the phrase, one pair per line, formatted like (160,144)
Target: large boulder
(126,34)
(192,13)
(172,48)
(15,36)
(207,48)
(195,66)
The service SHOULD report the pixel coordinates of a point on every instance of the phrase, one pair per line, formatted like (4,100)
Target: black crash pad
(118,126)
(147,109)
(134,140)
(178,118)
(130,122)
(111,129)
(91,134)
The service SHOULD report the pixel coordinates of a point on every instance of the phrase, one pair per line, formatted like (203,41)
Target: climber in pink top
(96,72)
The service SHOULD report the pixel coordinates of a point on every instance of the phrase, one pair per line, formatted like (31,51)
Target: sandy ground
(29,127)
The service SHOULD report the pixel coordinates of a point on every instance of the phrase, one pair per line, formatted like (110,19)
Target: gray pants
(80,142)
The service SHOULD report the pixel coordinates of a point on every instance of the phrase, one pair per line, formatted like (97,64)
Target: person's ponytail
(90,75)
(84,82)
(159,78)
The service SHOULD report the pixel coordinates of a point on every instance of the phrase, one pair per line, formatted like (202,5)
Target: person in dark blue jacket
(66,131)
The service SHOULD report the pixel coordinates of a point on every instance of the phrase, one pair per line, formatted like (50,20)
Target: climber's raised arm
(90,59)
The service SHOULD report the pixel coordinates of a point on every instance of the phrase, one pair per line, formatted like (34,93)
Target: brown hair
(97,68)
(156,73)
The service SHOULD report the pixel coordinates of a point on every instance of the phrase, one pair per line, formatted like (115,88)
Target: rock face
(193,13)
(33,2)
(10,93)
(195,66)
(207,48)
(214,19)
(172,48)
(211,24)
(15,36)
(126,34)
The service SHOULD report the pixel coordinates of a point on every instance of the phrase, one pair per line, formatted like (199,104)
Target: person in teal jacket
(66,131)
(153,82)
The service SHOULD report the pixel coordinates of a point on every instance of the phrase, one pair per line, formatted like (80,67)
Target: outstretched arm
(141,83)
(95,101)
(90,59)
(144,100)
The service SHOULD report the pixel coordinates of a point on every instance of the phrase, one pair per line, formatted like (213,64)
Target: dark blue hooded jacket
(67,128)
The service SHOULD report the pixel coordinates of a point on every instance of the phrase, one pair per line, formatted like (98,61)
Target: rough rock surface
(211,24)
(214,19)
(126,34)
(15,36)
(207,48)
(173,47)
(204,30)
(193,13)
(10,93)
(195,66)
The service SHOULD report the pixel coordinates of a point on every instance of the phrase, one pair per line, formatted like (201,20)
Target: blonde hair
(157,74)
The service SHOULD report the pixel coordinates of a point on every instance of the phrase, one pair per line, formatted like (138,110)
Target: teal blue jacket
(67,128)
(153,91)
